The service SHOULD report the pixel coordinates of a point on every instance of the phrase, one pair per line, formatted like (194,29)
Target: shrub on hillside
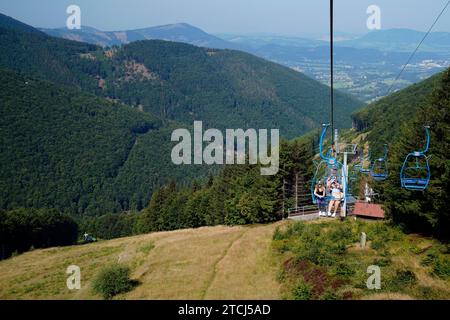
(113,280)
(402,279)
(302,291)
(441,267)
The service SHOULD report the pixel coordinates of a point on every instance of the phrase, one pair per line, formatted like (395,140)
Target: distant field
(207,263)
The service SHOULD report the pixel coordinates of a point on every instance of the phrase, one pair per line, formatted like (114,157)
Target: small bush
(330,294)
(296,229)
(282,246)
(403,278)
(278,235)
(442,267)
(430,259)
(302,291)
(343,233)
(382,261)
(384,231)
(344,269)
(378,244)
(338,248)
(113,280)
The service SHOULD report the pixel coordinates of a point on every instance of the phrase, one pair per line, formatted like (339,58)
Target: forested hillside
(399,120)
(43,57)
(238,195)
(383,119)
(65,149)
(225,89)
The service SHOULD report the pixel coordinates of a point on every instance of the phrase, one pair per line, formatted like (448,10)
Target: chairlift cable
(417,48)
(332,70)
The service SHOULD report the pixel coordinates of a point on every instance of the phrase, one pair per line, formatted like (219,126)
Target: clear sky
(288,17)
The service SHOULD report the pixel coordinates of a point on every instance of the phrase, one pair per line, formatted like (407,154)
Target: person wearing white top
(336,197)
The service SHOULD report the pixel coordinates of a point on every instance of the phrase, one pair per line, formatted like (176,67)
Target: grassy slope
(207,263)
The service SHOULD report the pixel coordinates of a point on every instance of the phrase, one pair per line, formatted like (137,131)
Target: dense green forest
(24,229)
(46,58)
(65,149)
(223,88)
(237,195)
(399,120)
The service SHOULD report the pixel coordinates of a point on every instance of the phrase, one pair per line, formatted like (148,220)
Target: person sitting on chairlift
(336,198)
(320,193)
(330,181)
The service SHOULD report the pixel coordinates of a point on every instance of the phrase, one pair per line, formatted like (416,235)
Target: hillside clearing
(206,263)
(243,262)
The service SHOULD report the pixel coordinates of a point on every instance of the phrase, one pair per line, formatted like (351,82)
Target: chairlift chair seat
(417,177)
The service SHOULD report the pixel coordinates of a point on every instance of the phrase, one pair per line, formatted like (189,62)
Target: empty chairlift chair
(379,170)
(361,167)
(415,174)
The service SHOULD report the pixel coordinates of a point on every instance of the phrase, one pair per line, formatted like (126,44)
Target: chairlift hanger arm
(427,147)
(386,152)
(322,137)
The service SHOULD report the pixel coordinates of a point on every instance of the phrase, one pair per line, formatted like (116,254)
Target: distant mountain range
(398,40)
(256,42)
(366,65)
(401,40)
(180,32)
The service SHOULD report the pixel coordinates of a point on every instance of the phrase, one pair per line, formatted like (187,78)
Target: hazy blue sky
(289,17)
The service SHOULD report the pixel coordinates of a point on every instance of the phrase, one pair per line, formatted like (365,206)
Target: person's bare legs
(337,204)
(336,207)
(330,206)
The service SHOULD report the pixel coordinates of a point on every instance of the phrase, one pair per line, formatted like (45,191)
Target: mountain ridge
(401,39)
(177,32)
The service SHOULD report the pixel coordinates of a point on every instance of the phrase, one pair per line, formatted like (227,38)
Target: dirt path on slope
(210,263)
(248,270)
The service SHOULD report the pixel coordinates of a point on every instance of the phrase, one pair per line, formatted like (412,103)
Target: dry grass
(207,263)
(248,269)
(213,263)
